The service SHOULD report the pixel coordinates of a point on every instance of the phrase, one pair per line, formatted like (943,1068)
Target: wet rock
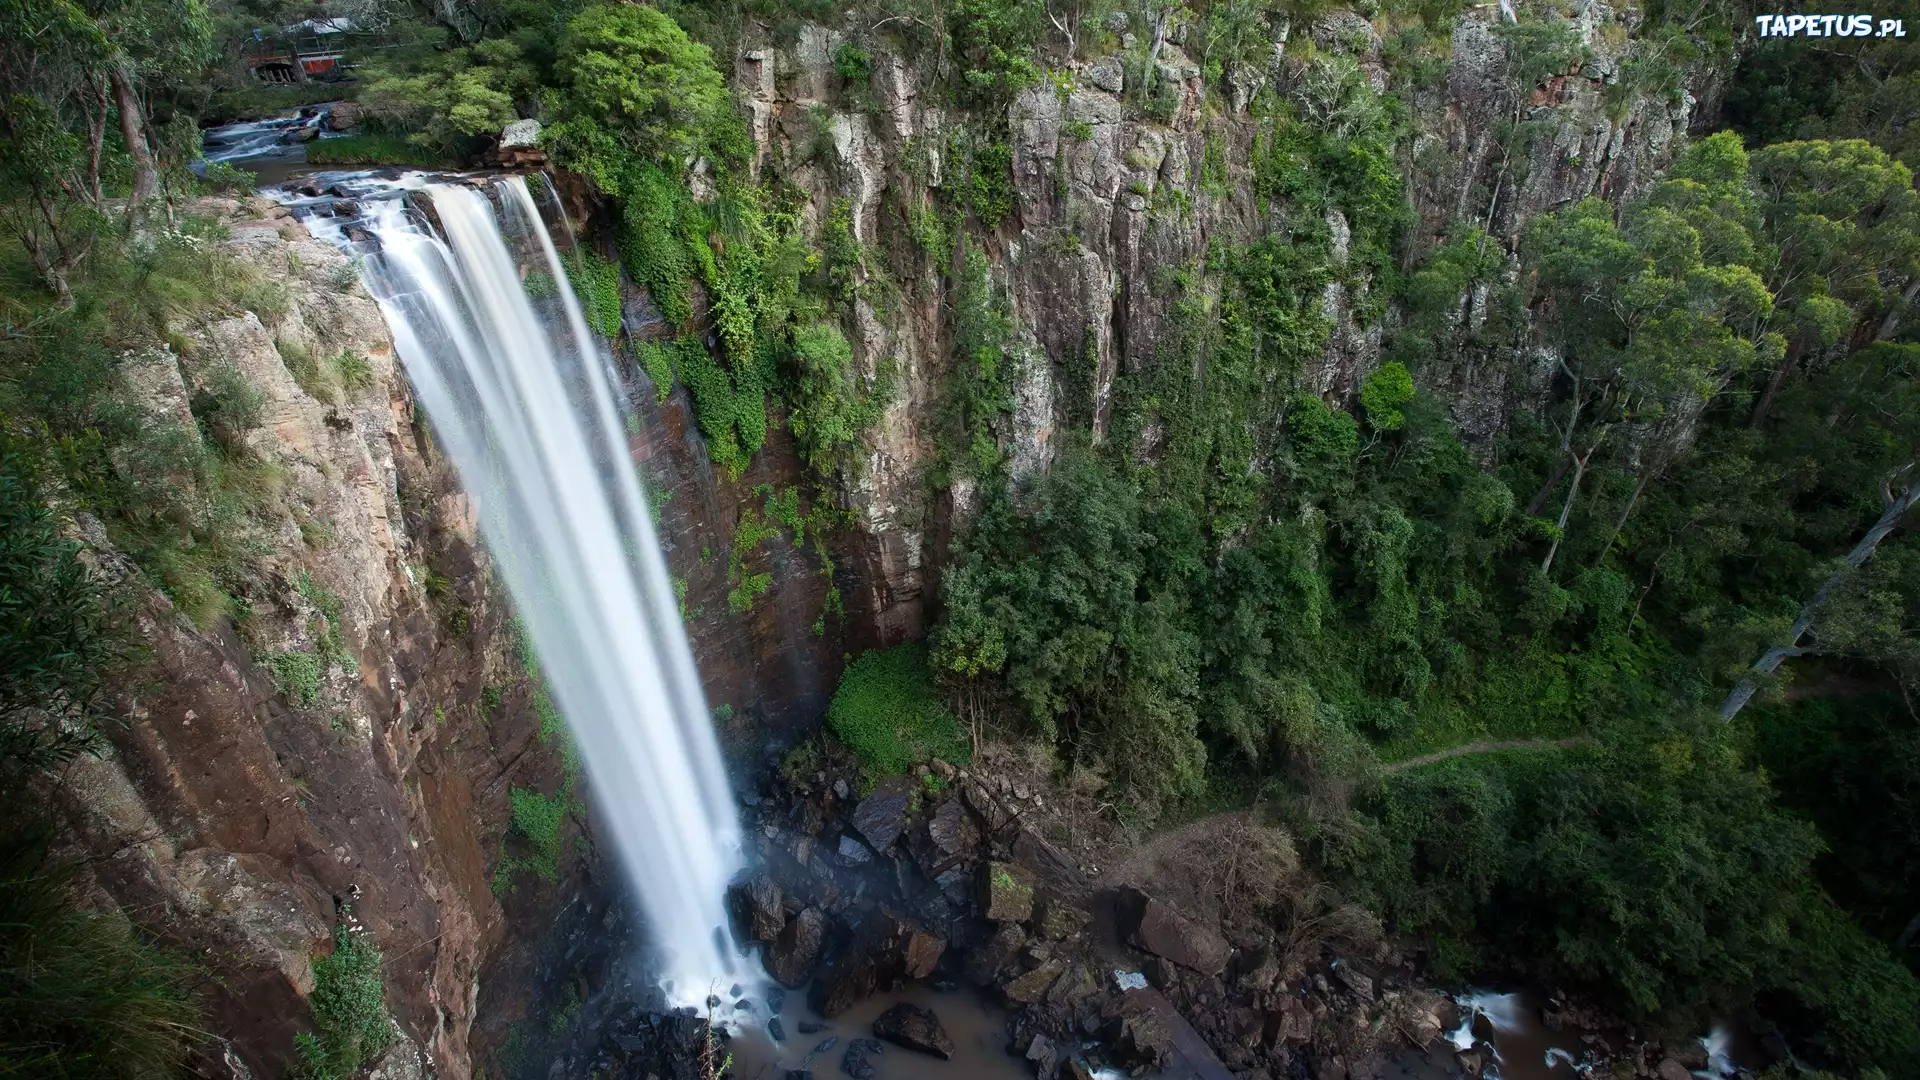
(854,1064)
(884,950)
(1691,1055)
(827,1044)
(1472,1062)
(882,815)
(757,908)
(1044,1055)
(776,1030)
(1669,1069)
(799,1074)
(853,852)
(1005,896)
(1034,985)
(1078,1069)
(991,957)
(1158,929)
(1060,920)
(914,1028)
(1356,981)
(810,1027)
(792,956)
(669,1046)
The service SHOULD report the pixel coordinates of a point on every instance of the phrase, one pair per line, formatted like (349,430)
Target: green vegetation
(88,997)
(350,1020)
(375,149)
(889,714)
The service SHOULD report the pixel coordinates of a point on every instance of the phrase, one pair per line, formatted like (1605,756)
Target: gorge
(1178,537)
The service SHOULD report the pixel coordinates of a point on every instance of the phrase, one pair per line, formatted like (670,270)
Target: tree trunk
(1891,323)
(1639,486)
(1566,508)
(146,180)
(1897,506)
(1787,363)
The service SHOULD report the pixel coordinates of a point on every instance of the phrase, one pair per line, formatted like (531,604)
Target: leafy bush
(59,640)
(349,1009)
(538,819)
(656,359)
(596,280)
(833,411)
(1385,393)
(297,676)
(634,73)
(229,408)
(889,714)
(87,998)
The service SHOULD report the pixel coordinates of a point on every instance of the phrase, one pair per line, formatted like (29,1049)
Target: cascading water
(525,406)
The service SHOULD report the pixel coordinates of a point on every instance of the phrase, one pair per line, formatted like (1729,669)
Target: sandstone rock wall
(1106,197)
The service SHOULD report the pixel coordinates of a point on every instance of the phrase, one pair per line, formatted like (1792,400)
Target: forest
(1620,692)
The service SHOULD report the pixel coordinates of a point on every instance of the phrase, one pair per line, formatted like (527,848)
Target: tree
(1874,397)
(1841,233)
(633,73)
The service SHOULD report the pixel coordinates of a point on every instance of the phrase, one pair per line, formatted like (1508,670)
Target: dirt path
(1489,746)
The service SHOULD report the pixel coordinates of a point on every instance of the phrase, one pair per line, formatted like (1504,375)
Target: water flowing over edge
(524,403)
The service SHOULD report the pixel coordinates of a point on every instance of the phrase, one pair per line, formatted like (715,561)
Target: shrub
(349,1009)
(1384,393)
(229,408)
(57,636)
(889,714)
(537,819)
(86,997)
(297,676)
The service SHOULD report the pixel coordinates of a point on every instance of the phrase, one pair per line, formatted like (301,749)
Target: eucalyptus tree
(1650,317)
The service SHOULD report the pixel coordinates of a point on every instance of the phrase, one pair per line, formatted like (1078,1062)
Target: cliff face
(234,814)
(1106,198)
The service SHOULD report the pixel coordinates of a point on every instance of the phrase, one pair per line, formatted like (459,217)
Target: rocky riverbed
(928,925)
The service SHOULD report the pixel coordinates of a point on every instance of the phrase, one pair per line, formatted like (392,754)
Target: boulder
(521,134)
(792,956)
(1357,982)
(883,951)
(1107,74)
(1670,1069)
(1691,1054)
(987,960)
(1158,929)
(881,816)
(1005,895)
(949,829)
(1031,987)
(914,1028)
(345,116)
(853,852)
(757,907)
(1044,1055)
(922,952)
(1059,919)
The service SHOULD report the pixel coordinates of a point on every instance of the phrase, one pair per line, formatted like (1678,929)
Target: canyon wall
(241,822)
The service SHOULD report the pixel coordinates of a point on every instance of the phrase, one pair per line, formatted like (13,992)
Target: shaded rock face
(1105,198)
(914,1028)
(1157,928)
(231,820)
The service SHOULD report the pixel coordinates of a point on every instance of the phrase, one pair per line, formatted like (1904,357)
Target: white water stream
(519,396)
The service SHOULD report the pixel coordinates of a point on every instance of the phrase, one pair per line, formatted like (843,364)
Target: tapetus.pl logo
(1829,26)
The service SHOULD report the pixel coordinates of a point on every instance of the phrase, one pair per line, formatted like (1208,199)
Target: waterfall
(520,396)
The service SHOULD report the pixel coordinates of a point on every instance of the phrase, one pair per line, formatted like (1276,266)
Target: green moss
(538,820)
(656,359)
(890,715)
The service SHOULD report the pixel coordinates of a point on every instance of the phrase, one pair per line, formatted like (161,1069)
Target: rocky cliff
(349,746)
(1110,196)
